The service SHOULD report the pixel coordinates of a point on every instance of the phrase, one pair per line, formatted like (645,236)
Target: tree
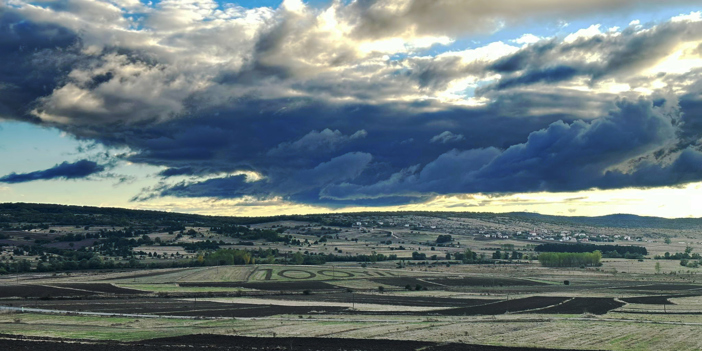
(658,267)
(95,262)
(667,241)
(443,239)
(497,255)
(298,258)
(418,256)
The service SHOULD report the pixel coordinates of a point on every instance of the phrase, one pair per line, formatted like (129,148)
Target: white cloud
(691,17)
(586,33)
(489,52)
(526,39)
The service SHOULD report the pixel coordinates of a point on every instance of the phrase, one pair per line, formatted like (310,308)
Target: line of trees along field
(612,251)
(570,259)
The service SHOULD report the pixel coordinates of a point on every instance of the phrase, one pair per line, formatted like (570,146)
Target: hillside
(86,215)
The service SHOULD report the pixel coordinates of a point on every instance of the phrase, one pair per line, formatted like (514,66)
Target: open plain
(458,305)
(367,281)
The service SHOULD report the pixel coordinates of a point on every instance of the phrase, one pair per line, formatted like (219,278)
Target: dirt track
(220,342)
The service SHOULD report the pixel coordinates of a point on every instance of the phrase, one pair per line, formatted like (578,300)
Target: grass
(94,328)
(514,330)
(290,273)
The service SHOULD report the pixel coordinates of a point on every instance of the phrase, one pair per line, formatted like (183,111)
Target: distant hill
(616,221)
(86,215)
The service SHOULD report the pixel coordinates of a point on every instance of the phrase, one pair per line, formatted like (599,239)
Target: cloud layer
(65,170)
(366,102)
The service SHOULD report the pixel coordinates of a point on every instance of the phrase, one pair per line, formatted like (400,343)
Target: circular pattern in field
(336,274)
(296,274)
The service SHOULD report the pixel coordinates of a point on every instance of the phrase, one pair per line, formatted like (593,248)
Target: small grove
(570,259)
(608,251)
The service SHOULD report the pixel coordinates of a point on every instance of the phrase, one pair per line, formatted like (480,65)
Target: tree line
(570,259)
(619,249)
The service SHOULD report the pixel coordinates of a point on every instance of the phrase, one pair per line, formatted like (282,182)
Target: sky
(254,108)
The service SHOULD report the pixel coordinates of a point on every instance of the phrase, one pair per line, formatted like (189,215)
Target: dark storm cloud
(183,171)
(446,137)
(546,75)
(77,170)
(562,157)
(281,183)
(34,58)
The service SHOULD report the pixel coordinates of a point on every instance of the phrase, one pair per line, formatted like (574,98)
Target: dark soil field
(482,281)
(579,305)
(433,282)
(489,308)
(416,301)
(14,242)
(220,342)
(38,291)
(470,307)
(270,286)
(100,288)
(663,287)
(503,307)
(652,300)
(67,290)
(93,297)
(404,281)
(152,274)
(173,307)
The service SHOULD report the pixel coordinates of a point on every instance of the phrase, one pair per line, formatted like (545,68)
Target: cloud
(348,103)
(527,39)
(324,141)
(77,170)
(394,17)
(446,137)
(547,75)
(623,56)
(610,152)
(339,169)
